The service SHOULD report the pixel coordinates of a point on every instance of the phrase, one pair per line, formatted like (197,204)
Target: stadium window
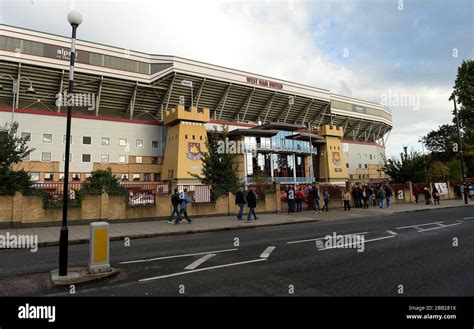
(47,138)
(200,138)
(170,173)
(104,158)
(86,158)
(26,137)
(35,176)
(61,176)
(124,177)
(365,166)
(154,144)
(147,177)
(46,156)
(185,136)
(138,159)
(64,139)
(370,155)
(154,160)
(136,177)
(347,165)
(48,176)
(157,177)
(70,157)
(360,165)
(86,140)
(194,137)
(105,141)
(122,158)
(139,143)
(76,177)
(27,157)
(122,142)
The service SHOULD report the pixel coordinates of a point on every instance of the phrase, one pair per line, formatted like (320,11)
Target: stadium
(147,116)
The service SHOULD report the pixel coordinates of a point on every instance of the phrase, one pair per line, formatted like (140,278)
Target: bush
(14,181)
(103,180)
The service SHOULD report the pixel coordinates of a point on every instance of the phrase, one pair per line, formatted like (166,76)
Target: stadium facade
(147,116)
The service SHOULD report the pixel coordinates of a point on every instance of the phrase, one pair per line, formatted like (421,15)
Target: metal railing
(248,147)
(197,193)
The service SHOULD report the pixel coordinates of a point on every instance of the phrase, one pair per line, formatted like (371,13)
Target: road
(427,253)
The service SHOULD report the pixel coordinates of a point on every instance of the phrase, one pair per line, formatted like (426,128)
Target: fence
(142,194)
(197,193)
(55,190)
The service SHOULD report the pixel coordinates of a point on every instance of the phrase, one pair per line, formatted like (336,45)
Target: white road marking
(350,244)
(266,253)
(416,226)
(459,221)
(392,232)
(176,256)
(198,262)
(468,218)
(201,269)
(435,228)
(309,240)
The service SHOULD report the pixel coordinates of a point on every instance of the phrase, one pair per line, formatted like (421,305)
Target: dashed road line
(202,269)
(392,232)
(438,227)
(350,244)
(323,238)
(177,256)
(199,262)
(416,226)
(468,218)
(266,253)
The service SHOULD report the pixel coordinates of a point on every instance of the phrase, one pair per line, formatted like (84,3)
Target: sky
(400,53)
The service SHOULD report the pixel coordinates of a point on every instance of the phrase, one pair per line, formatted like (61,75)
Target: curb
(217,229)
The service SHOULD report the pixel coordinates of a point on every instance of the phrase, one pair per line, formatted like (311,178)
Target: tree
(103,180)
(438,172)
(218,167)
(12,150)
(409,167)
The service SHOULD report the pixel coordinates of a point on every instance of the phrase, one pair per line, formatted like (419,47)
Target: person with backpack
(240,202)
(291,200)
(183,205)
(299,199)
(175,201)
(427,196)
(251,203)
(326,200)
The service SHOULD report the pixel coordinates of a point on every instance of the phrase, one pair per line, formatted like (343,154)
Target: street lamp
(460,149)
(75,19)
(311,167)
(29,90)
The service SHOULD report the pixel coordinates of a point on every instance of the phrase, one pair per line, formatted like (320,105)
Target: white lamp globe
(74,18)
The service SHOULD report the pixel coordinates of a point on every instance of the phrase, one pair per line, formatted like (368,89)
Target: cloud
(365,49)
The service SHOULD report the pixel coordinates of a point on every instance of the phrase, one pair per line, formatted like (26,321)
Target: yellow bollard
(99,247)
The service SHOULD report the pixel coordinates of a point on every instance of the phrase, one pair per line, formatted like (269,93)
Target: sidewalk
(49,236)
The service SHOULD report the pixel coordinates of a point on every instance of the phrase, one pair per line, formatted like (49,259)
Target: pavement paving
(49,236)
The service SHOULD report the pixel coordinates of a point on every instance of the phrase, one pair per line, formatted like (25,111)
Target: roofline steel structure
(135,85)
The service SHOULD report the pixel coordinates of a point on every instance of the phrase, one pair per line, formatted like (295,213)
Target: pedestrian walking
(299,199)
(291,200)
(365,198)
(175,201)
(183,205)
(251,203)
(370,194)
(436,196)
(326,200)
(381,197)
(315,196)
(416,194)
(347,200)
(240,202)
(388,195)
(426,194)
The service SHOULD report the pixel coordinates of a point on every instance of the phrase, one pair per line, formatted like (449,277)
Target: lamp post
(15,82)
(463,177)
(75,19)
(311,165)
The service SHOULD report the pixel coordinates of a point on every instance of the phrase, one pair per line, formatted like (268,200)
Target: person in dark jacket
(427,196)
(175,201)
(251,203)
(183,205)
(388,195)
(240,202)
(436,196)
